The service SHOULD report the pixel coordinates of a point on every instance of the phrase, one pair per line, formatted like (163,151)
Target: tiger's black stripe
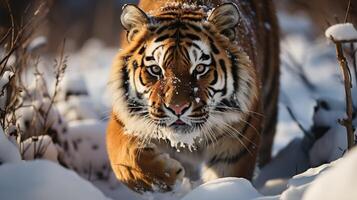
(224,69)
(213,46)
(235,72)
(162,38)
(141,77)
(142,50)
(125,83)
(191,36)
(194,27)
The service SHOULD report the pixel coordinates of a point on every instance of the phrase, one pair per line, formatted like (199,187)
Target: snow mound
(308,176)
(224,188)
(330,137)
(8,151)
(88,151)
(298,185)
(341,32)
(73,85)
(40,147)
(339,182)
(241,189)
(41,179)
(78,108)
(331,146)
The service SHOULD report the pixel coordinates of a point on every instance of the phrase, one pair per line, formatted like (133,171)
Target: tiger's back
(255,36)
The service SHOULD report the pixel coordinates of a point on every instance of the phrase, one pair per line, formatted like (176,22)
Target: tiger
(195,90)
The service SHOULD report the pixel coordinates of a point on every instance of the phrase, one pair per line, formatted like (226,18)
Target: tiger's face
(174,79)
(181,75)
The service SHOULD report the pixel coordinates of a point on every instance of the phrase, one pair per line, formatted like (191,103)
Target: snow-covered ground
(80,115)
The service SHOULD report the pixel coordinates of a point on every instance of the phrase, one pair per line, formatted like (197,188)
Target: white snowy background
(304,165)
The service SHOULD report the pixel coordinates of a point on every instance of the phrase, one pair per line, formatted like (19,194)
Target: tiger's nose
(179,109)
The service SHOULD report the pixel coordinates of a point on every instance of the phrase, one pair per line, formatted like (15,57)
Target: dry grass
(17,57)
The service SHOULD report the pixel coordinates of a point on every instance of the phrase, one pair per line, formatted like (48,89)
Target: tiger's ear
(133,19)
(225,17)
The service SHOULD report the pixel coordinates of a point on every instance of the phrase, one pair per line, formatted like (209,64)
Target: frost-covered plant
(25,111)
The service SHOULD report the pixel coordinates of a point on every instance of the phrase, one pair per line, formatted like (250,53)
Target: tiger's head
(182,74)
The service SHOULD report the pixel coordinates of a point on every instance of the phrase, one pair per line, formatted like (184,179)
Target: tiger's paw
(157,170)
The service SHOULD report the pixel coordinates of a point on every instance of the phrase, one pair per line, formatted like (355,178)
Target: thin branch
(12,23)
(347,11)
(353,56)
(2,40)
(60,69)
(348,85)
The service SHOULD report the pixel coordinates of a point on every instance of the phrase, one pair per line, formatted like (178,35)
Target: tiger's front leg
(140,168)
(232,157)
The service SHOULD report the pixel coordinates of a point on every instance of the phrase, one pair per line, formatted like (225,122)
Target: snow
(9,153)
(31,118)
(330,147)
(332,144)
(37,43)
(224,188)
(93,63)
(33,180)
(339,182)
(241,189)
(341,32)
(282,167)
(298,185)
(88,154)
(73,85)
(40,147)
(78,108)
(4,80)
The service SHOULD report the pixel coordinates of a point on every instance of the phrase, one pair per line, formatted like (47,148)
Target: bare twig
(2,40)
(348,85)
(353,55)
(60,68)
(347,11)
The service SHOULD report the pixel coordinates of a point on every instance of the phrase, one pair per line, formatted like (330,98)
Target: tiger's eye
(200,69)
(154,70)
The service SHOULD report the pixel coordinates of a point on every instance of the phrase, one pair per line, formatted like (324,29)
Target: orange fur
(139,168)
(234,149)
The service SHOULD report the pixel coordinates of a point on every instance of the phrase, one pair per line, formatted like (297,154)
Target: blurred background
(77,21)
